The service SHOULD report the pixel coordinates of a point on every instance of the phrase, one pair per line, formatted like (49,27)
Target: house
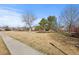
(74,31)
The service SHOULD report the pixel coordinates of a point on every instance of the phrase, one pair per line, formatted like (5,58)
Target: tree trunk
(69,28)
(30,28)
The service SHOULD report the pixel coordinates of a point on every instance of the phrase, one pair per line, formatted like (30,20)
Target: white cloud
(13,17)
(10,17)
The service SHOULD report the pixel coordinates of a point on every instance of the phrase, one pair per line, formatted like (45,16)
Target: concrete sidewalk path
(18,48)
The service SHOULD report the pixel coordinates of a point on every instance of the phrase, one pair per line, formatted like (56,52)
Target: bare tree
(69,16)
(28,19)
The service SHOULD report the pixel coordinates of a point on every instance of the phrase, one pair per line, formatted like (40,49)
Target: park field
(47,43)
(3,48)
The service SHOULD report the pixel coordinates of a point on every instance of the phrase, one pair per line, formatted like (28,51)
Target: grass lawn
(41,42)
(3,48)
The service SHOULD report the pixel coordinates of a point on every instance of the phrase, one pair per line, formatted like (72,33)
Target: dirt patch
(3,48)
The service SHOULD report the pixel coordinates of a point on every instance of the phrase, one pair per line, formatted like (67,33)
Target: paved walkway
(18,48)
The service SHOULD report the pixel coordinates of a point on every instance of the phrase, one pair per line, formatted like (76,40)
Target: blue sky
(10,14)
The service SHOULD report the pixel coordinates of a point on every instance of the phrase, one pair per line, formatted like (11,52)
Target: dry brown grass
(66,44)
(40,41)
(3,48)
